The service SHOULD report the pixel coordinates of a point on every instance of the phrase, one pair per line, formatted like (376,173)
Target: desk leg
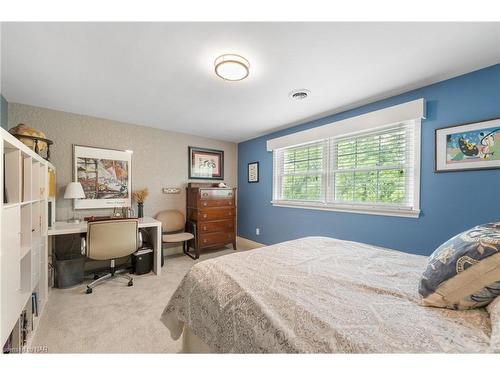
(157,249)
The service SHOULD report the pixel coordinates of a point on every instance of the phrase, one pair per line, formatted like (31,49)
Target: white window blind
(374,167)
(300,175)
(375,171)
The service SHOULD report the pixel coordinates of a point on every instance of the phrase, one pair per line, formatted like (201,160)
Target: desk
(63,227)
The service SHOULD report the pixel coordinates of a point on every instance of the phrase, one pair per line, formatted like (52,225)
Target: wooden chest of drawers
(211,211)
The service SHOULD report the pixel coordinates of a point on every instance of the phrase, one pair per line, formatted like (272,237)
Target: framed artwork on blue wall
(466,147)
(253,172)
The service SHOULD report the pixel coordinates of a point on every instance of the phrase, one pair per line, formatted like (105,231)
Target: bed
(319,295)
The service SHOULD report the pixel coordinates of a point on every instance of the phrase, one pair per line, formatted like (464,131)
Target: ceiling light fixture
(299,94)
(232,67)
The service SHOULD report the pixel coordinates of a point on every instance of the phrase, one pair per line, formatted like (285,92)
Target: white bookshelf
(23,231)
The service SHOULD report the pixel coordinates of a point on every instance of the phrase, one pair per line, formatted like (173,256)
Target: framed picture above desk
(105,175)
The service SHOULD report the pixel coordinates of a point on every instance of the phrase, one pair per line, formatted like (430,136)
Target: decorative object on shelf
(222,185)
(34,139)
(140,197)
(106,176)
(206,164)
(171,191)
(469,146)
(74,191)
(253,172)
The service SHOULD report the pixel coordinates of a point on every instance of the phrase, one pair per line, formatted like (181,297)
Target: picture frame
(205,164)
(105,175)
(253,172)
(468,147)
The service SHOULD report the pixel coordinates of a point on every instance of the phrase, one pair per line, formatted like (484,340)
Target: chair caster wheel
(96,276)
(89,290)
(130,283)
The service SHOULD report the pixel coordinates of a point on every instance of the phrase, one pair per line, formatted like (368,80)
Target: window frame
(385,209)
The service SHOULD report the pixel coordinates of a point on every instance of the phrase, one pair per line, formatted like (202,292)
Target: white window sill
(359,209)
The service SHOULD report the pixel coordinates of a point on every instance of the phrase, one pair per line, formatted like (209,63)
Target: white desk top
(63,227)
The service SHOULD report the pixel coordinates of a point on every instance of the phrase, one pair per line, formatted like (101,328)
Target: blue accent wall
(450,202)
(3,113)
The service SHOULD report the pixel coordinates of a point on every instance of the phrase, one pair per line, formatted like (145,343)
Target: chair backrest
(111,239)
(171,220)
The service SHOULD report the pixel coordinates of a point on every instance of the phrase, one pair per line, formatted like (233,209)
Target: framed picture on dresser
(205,164)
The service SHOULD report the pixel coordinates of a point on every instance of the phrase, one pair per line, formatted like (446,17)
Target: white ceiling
(161,74)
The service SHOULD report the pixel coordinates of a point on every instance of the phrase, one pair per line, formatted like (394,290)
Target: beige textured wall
(160,157)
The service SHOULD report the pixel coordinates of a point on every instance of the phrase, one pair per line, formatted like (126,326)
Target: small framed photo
(470,146)
(206,164)
(253,172)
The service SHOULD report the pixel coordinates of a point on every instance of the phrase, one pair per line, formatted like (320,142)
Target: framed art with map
(105,175)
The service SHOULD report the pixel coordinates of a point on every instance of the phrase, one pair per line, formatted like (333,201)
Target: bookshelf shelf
(6,206)
(23,237)
(24,251)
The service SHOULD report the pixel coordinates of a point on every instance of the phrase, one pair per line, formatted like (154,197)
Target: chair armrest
(191,228)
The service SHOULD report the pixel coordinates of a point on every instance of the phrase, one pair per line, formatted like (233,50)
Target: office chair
(173,227)
(110,240)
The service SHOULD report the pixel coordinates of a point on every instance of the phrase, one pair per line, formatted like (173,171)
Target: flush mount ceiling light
(232,67)
(299,94)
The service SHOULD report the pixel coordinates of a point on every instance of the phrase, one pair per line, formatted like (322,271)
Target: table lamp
(74,190)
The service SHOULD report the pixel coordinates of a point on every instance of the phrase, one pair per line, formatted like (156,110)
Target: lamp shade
(74,190)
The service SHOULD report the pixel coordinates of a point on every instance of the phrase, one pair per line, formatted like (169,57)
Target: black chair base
(185,250)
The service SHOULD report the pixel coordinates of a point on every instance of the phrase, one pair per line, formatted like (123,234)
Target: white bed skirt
(192,343)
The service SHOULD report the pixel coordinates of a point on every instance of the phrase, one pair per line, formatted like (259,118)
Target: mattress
(319,295)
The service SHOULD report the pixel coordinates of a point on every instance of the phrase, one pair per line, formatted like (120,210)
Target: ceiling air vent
(299,94)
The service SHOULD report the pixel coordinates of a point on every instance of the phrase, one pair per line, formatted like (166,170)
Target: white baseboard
(248,243)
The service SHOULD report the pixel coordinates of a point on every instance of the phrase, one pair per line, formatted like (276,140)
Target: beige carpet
(116,318)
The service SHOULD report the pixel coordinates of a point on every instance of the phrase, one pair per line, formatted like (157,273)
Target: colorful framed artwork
(467,147)
(105,175)
(253,172)
(206,164)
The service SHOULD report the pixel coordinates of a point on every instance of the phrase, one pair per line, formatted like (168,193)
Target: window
(301,172)
(374,171)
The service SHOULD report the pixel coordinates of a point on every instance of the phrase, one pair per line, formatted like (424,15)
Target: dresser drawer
(216,203)
(216,226)
(218,238)
(207,194)
(215,214)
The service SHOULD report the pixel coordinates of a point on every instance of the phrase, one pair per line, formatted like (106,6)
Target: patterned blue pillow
(464,272)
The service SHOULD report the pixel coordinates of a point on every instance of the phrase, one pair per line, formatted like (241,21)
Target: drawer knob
(230,213)
(204,216)
(205,194)
(205,204)
(205,241)
(204,228)
(230,203)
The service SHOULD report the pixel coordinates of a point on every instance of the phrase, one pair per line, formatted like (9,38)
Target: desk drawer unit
(213,210)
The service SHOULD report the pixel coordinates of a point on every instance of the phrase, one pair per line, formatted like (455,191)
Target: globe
(23,129)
